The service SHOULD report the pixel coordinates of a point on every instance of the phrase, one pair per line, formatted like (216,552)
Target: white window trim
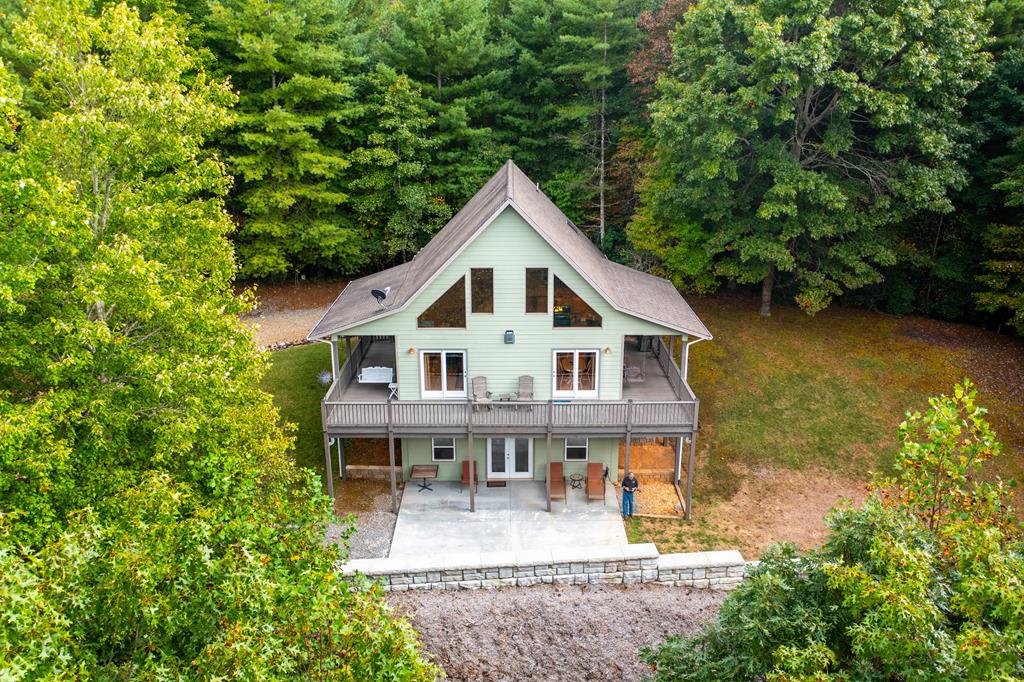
(586,451)
(434,446)
(575,392)
(443,394)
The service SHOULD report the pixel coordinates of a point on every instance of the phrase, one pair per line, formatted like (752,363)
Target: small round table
(576,481)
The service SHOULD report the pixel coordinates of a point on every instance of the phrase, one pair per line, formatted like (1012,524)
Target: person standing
(629,486)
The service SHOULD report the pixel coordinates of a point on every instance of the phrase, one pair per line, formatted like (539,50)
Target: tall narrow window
(536,290)
(447,311)
(481,290)
(572,311)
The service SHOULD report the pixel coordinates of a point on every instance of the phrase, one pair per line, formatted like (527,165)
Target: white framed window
(443,374)
(442,449)
(577,449)
(574,373)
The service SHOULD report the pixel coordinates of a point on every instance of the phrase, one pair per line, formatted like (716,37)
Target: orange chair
(595,481)
(556,481)
(465,475)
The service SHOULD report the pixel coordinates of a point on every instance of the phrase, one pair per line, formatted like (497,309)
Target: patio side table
(576,481)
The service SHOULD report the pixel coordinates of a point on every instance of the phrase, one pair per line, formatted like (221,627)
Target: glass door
(575,374)
(443,374)
(509,458)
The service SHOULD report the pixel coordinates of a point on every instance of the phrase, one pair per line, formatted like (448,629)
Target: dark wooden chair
(595,481)
(464,481)
(556,481)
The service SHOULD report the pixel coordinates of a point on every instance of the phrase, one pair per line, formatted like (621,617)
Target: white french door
(509,458)
(443,374)
(574,374)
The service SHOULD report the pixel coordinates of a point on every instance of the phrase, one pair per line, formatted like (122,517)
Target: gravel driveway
(552,632)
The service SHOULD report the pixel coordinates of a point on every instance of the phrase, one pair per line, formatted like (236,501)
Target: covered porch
(512,518)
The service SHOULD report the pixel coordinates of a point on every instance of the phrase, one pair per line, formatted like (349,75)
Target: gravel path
(552,632)
(374,529)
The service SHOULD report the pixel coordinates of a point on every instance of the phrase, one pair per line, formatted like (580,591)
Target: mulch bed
(552,632)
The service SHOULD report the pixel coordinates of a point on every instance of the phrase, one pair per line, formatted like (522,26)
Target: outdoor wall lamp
(510,336)
(411,351)
(607,350)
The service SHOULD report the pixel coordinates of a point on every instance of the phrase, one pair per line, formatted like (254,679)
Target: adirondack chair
(481,396)
(595,481)
(556,481)
(465,480)
(525,392)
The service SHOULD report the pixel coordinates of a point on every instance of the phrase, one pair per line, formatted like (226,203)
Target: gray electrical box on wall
(510,336)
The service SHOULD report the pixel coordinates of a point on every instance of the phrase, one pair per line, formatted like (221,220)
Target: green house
(512,341)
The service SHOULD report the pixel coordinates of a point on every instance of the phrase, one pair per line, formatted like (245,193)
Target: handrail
(672,371)
(539,415)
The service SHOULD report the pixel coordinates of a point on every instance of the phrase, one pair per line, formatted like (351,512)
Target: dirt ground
(552,632)
(286,311)
(771,505)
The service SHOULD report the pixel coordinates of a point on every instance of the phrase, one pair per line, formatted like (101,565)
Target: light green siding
(418,451)
(509,245)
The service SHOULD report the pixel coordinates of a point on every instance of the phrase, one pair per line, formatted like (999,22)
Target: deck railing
(536,416)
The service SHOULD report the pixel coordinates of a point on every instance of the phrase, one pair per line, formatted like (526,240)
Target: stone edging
(606,565)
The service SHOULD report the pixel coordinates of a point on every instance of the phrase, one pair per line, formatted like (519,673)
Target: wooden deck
(660,404)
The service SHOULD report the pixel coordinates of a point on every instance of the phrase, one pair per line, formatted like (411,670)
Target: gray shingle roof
(630,291)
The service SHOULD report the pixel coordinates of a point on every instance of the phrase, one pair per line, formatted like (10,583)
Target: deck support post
(690,463)
(629,438)
(341,458)
(547,469)
(471,455)
(327,463)
(391,460)
(678,471)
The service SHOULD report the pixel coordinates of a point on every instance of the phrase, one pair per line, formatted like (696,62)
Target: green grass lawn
(292,380)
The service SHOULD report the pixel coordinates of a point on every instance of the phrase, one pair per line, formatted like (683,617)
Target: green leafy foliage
(924,582)
(152,524)
(390,187)
(795,134)
(291,65)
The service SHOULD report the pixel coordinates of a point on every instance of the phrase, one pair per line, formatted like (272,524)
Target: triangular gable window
(571,310)
(449,310)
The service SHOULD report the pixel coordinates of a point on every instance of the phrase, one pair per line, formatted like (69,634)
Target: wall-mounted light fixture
(510,336)
(411,351)
(607,350)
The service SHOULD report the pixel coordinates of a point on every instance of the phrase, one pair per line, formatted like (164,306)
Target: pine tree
(596,38)
(290,62)
(390,190)
(446,46)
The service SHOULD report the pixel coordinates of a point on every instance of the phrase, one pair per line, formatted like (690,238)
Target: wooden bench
(424,472)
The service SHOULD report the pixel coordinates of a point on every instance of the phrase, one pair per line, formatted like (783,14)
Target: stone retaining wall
(608,565)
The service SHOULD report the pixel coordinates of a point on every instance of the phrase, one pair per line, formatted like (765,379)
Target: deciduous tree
(792,135)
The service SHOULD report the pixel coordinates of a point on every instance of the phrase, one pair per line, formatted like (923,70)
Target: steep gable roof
(627,290)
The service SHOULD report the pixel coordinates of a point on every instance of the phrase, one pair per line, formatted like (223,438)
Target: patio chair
(480,393)
(556,482)
(464,481)
(595,481)
(525,392)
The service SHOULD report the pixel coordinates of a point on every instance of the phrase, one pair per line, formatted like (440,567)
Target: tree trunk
(766,292)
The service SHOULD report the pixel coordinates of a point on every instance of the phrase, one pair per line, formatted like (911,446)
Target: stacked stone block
(605,565)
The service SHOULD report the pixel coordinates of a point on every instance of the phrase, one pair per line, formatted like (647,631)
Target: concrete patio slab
(509,519)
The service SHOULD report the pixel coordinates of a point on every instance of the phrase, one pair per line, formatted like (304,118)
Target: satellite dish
(381,295)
